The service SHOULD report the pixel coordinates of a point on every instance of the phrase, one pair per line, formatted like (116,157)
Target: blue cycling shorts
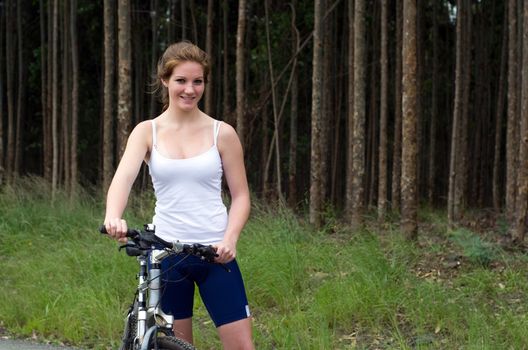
(221,288)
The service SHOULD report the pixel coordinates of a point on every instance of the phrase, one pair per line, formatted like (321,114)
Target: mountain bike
(146,325)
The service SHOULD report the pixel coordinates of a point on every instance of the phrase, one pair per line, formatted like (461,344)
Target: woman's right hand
(117,229)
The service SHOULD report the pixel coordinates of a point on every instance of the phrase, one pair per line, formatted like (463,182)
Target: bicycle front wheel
(172,343)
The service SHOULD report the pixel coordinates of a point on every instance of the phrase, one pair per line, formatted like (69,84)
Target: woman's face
(185,86)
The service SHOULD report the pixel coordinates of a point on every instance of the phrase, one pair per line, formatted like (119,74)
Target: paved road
(10,344)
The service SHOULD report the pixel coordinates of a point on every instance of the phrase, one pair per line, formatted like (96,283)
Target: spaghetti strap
(154,142)
(216,130)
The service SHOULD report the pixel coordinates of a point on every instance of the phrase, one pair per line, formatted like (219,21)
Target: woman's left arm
(232,155)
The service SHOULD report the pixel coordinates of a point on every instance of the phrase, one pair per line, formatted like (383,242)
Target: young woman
(187,153)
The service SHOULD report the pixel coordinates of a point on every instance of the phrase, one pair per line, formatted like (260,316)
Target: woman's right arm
(135,153)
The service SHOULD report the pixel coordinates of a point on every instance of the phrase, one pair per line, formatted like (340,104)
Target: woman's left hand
(226,252)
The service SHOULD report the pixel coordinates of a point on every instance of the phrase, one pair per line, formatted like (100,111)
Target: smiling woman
(188,153)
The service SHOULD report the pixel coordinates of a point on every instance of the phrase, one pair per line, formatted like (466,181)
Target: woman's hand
(117,229)
(226,252)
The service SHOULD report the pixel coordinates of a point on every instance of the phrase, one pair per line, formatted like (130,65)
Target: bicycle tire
(173,343)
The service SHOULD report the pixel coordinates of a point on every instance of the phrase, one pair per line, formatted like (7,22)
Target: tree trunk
(355,214)
(497,168)
(521,218)
(409,188)
(292,165)
(55,99)
(315,163)
(74,99)
(396,158)
(431,172)
(350,112)
(154,9)
(240,69)
(66,97)
(183,17)
(225,76)
(274,105)
(452,207)
(108,101)
(10,89)
(210,52)
(124,99)
(328,80)
(511,144)
(21,95)
(2,66)
(384,89)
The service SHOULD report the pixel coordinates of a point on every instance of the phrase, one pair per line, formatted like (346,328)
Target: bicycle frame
(150,316)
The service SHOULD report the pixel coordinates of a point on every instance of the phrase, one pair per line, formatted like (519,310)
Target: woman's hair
(175,54)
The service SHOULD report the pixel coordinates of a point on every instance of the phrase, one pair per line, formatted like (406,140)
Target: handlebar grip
(130,232)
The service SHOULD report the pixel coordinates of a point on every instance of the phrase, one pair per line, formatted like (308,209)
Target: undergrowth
(328,289)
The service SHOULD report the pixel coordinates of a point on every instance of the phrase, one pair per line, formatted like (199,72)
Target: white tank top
(189,206)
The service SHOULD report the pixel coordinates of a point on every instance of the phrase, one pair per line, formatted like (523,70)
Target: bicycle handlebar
(143,240)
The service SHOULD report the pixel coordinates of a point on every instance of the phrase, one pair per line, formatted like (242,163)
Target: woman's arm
(233,163)
(136,151)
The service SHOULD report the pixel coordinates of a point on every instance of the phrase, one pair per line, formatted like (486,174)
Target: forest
(351,107)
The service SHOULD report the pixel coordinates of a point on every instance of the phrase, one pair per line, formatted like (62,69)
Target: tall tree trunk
(431,172)
(225,76)
(355,214)
(55,99)
(240,69)
(154,14)
(124,99)
(10,89)
(384,84)
(292,166)
(521,218)
(497,168)
(47,132)
(74,99)
(210,52)
(409,186)
(108,102)
(274,105)
(21,95)
(183,14)
(328,81)
(2,66)
(396,158)
(194,24)
(511,144)
(315,162)
(349,195)
(65,95)
(454,160)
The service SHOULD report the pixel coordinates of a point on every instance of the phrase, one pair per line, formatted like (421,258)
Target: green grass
(307,290)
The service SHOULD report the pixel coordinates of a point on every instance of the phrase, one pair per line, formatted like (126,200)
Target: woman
(187,152)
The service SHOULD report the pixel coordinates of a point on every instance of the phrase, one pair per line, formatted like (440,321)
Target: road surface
(10,344)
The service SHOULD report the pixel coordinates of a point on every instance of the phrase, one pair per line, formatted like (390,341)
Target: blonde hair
(175,54)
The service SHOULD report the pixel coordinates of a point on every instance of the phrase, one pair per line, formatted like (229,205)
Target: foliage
(330,289)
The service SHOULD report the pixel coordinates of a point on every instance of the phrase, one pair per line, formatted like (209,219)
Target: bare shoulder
(227,137)
(142,134)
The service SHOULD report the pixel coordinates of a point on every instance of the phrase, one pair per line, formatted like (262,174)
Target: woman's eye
(181,81)
(198,82)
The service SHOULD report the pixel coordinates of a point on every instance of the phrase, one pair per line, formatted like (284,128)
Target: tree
(355,210)
(396,153)
(21,94)
(511,137)
(315,158)
(209,49)
(55,98)
(74,97)
(292,165)
(10,62)
(350,111)
(2,25)
(383,142)
(108,101)
(409,188)
(124,98)
(240,68)
(521,217)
